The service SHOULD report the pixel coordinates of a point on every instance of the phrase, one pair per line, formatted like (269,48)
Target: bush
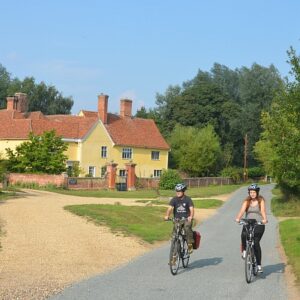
(255,172)
(235,173)
(169,179)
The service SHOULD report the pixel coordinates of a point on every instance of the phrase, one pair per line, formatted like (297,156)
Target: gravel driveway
(45,248)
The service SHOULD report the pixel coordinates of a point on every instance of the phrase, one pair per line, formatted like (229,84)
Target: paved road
(216,270)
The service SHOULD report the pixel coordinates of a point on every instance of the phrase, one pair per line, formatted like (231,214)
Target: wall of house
(145,166)
(12,144)
(91,150)
(72,151)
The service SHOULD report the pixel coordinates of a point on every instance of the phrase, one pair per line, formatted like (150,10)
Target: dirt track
(45,248)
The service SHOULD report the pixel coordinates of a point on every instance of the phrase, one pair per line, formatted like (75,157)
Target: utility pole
(245,157)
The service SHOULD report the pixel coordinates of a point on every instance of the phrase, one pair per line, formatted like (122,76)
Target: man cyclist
(183,207)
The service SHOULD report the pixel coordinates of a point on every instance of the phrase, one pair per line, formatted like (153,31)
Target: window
(155,155)
(103,151)
(127,153)
(103,171)
(92,171)
(122,173)
(157,173)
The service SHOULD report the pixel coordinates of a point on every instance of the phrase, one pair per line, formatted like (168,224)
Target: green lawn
(152,194)
(290,238)
(203,203)
(145,222)
(289,229)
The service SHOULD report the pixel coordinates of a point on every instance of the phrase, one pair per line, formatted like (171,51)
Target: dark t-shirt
(181,206)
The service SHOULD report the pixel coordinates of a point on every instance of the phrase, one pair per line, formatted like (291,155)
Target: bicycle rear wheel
(185,256)
(174,259)
(248,265)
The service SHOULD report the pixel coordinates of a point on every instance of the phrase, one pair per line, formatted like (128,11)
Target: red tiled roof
(135,132)
(124,131)
(15,125)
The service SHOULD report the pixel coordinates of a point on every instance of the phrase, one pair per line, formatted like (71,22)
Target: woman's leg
(258,233)
(244,237)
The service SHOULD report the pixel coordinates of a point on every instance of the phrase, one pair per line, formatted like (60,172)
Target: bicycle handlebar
(250,221)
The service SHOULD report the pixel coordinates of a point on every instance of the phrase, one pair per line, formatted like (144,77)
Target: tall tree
(195,151)
(42,97)
(4,85)
(281,135)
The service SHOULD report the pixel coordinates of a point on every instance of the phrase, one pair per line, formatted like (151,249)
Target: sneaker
(190,248)
(259,269)
(173,261)
(244,254)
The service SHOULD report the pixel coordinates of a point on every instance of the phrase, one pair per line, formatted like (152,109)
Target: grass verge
(192,192)
(289,229)
(203,203)
(290,238)
(145,222)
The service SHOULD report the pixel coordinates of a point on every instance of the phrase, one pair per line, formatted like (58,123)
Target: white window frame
(103,151)
(155,155)
(127,153)
(94,171)
(157,173)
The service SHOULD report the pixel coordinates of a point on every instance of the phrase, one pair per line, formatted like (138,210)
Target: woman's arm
(241,212)
(263,211)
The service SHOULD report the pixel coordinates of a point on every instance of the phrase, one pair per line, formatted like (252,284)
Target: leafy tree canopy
(195,151)
(41,97)
(279,146)
(41,154)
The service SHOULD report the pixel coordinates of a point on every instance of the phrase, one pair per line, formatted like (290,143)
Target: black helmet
(254,187)
(180,187)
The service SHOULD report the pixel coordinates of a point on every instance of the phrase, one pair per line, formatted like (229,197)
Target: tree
(4,85)
(195,151)
(42,97)
(41,154)
(281,135)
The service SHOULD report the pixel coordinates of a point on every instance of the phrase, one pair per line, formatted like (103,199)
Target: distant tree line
(206,120)
(224,101)
(42,97)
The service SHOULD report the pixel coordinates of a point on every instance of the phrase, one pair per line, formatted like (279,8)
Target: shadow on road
(200,263)
(268,270)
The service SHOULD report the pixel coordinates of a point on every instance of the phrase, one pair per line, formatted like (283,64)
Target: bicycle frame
(179,248)
(250,260)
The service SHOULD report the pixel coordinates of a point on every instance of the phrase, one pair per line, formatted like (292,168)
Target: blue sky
(136,48)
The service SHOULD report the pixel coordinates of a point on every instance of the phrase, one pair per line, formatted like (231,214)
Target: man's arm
(168,213)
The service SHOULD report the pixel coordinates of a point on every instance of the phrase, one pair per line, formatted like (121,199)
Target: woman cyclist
(254,207)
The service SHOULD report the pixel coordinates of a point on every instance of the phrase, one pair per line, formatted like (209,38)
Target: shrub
(235,173)
(169,179)
(256,172)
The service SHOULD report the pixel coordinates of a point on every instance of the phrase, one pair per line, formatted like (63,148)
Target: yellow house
(94,139)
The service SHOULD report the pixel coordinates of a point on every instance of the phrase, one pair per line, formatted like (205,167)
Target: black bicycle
(179,247)
(250,259)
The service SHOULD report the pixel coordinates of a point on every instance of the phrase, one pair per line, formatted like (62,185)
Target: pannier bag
(197,238)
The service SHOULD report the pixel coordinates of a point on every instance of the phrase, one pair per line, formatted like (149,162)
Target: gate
(121,183)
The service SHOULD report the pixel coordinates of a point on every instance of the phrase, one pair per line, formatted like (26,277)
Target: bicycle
(179,247)
(250,259)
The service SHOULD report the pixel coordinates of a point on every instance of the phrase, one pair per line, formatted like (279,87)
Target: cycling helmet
(180,187)
(254,187)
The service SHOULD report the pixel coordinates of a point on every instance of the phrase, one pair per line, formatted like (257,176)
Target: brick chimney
(102,108)
(22,104)
(126,108)
(18,102)
(11,103)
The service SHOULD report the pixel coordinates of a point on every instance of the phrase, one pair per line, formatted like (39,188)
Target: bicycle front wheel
(185,256)
(248,265)
(174,259)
